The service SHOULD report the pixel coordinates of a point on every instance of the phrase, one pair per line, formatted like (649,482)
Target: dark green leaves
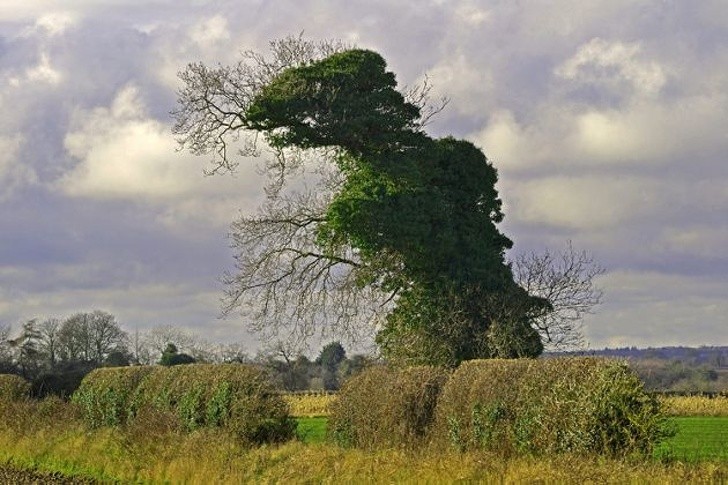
(421,213)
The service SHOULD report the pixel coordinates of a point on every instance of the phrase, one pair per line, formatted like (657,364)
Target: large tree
(90,337)
(399,228)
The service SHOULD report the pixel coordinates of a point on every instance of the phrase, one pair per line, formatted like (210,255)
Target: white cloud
(56,23)
(210,32)
(700,241)
(13,173)
(603,62)
(43,72)
(584,202)
(125,154)
(466,84)
(472,14)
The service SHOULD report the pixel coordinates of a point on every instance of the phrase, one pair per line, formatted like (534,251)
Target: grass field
(698,438)
(312,429)
(309,404)
(152,454)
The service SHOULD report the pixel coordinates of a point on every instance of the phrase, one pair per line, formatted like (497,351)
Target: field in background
(698,438)
(696,405)
(309,404)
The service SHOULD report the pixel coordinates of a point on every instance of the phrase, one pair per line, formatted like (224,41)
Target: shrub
(105,394)
(62,381)
(385,406)
(235,397)
(13,387)
(580,405)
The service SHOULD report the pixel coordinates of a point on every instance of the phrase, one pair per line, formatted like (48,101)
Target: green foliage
(577,405)
(420,213)
(106,395)
(62,380)
(331,355)
(13,387)
(171,356)
(235,397)
(386,407)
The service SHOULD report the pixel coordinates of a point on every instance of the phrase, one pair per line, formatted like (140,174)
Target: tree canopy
(420,213)
(369,222)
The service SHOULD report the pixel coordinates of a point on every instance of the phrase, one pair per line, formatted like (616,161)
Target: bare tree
(73,339)
(90,337)
(49,330)
(6,350)
(231,352)
(155,340)
(567,281)
(106,335)
(212,102)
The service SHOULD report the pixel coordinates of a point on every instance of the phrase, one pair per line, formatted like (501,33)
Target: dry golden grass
(51,436)
(695,405)
(309,405)
(218,459)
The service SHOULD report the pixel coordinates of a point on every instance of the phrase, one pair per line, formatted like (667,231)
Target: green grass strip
(697,439)
(312,430)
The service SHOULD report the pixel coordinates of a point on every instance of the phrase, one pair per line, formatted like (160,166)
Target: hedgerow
(578,405)
(386,407)
(13,387)
(235,397)
(105,394)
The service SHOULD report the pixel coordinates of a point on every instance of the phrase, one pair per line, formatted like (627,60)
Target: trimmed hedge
(579,405)
(235,397)
(106,395)
(386,407)
(13,387)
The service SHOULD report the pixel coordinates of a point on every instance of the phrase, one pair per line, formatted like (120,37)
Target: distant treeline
(680,370)
(716,356)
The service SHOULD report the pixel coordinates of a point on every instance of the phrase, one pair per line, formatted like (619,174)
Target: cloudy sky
(607,120)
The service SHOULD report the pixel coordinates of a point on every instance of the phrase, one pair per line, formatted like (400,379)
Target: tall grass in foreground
(50,435)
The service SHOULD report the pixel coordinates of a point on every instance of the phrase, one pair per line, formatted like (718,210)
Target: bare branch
(285,282)
(566,280)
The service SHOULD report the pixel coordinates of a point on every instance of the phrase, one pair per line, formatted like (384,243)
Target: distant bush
(580,405)
(13,387)
(236,397)
(386,407)
(62,381)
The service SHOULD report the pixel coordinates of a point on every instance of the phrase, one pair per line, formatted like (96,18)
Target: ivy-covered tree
(404,232)
(420,213)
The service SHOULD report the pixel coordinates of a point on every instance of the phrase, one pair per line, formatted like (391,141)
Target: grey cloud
(155,260)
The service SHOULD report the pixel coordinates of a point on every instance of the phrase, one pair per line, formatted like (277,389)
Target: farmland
(50,438)
(106,456)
